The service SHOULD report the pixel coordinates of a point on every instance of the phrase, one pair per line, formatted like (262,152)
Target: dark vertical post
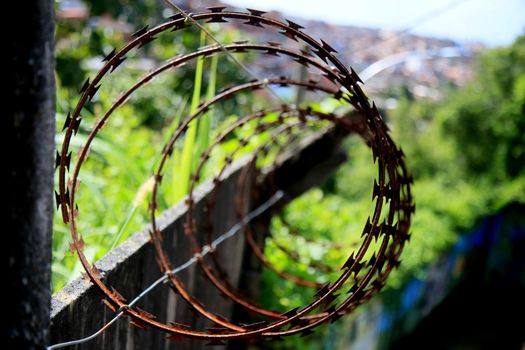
(28,108)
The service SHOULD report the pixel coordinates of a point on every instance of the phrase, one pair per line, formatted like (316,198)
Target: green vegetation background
(467,154)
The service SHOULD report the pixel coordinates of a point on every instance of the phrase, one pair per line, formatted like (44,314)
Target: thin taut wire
(276,197)
(187,17)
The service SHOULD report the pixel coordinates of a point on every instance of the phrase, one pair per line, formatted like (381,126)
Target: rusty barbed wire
(384,234)
(220,280)
(206,250)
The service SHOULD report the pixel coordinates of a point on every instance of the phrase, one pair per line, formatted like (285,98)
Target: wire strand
(187,17)
(276,197)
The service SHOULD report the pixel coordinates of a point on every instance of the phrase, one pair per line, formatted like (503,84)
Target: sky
(493,22)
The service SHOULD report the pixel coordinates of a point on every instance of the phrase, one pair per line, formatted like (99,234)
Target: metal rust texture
(384,233)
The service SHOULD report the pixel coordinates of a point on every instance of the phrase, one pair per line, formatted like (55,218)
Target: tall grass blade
(188,149)
(205,123)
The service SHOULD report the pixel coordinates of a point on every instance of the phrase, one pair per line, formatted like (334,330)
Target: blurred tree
(486,119)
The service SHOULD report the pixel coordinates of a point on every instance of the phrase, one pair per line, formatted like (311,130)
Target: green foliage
(116,180)
(466,154)
(485,119)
